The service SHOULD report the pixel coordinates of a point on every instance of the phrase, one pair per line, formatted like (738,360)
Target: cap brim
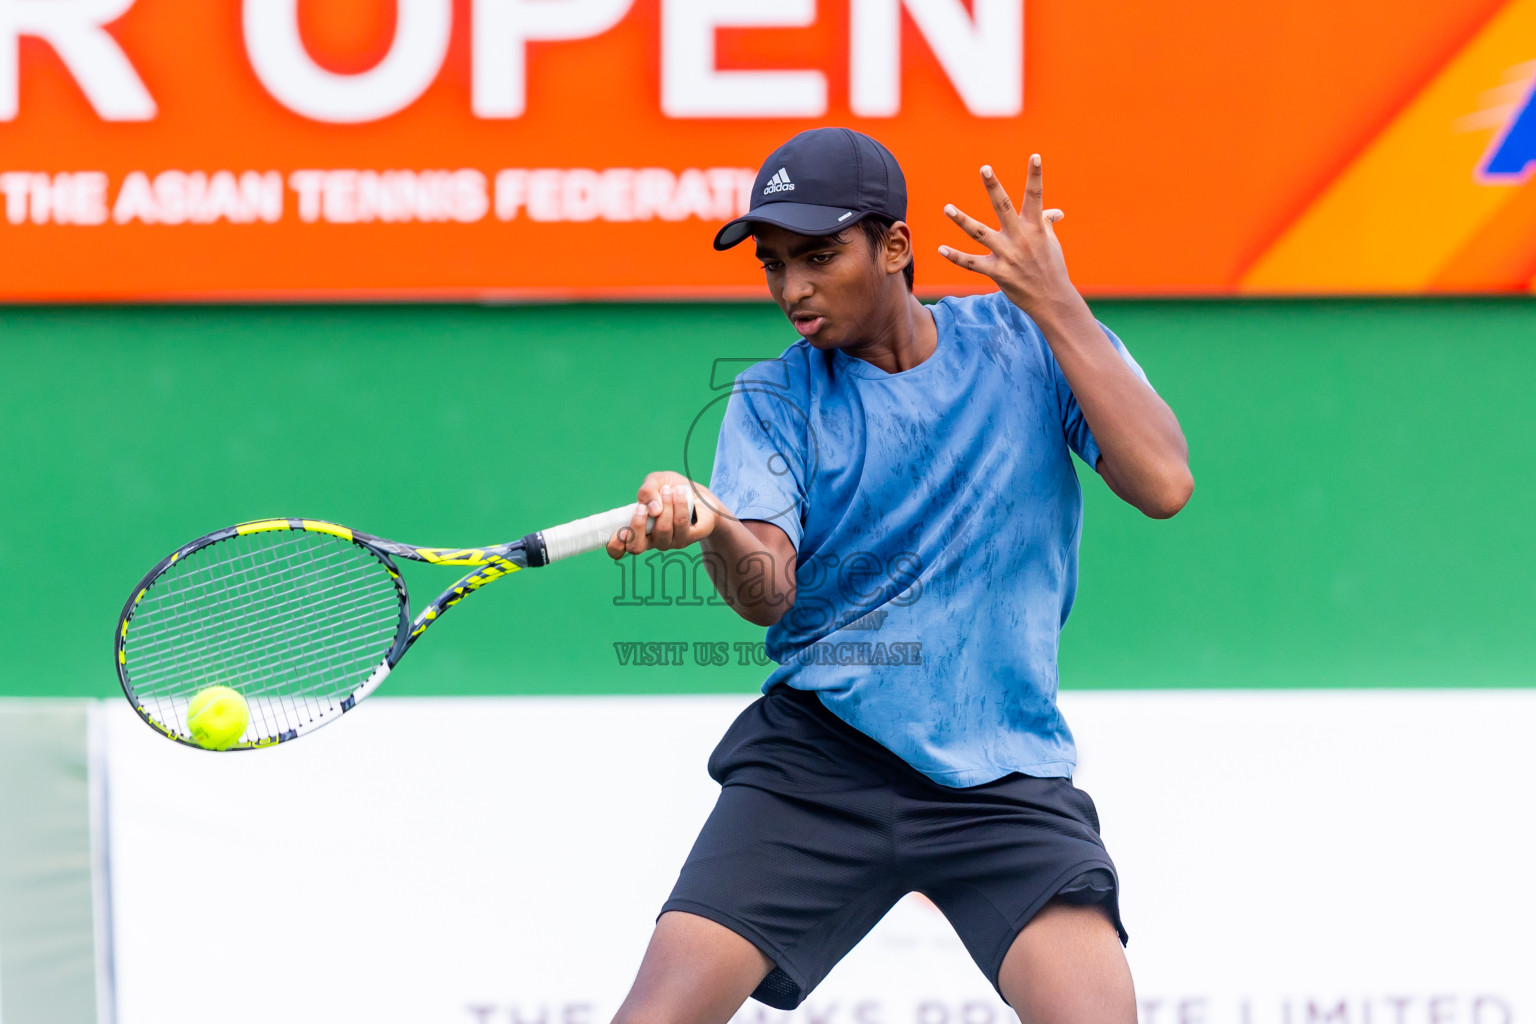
(801,218)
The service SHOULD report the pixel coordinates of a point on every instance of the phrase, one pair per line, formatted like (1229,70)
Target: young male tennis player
(908,465)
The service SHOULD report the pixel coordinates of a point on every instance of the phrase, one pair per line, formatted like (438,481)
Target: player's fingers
(650,487)
(682,523)
(1052,216)
(967,260)
(1006,214)
(661,533)
(707,510)
(615,545)
(970,225)
(618,545)
(1034,189)
(649,497)
(638,541)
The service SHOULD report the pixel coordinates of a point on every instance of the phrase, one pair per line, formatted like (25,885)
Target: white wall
(1286,857)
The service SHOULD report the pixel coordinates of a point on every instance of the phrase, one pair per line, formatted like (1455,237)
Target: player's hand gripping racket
(302,618)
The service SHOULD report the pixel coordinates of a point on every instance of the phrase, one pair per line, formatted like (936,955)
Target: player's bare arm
(751,563)
(1144,458)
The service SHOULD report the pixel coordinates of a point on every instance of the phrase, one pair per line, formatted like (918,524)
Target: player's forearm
(752,568)
(1143,455)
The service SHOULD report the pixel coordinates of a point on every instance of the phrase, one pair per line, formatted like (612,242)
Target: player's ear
(898,247)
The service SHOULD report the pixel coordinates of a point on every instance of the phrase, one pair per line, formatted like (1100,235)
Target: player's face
(829,289)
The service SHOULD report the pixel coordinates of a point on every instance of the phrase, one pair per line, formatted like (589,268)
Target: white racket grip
(583,535)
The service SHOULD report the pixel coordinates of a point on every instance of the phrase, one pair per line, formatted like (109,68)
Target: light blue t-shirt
(935,514)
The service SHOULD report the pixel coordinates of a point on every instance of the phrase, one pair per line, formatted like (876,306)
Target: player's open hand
(665,496)
(1024,258)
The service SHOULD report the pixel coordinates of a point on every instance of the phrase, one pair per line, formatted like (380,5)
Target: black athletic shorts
(819,830)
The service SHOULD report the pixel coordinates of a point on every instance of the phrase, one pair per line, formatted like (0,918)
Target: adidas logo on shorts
(779,183)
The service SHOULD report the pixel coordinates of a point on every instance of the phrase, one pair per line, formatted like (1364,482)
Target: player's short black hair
(877,230)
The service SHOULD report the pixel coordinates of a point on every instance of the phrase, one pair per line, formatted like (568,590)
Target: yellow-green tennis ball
(217,717)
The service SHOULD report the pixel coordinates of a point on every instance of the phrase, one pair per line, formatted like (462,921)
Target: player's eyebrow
(801,248)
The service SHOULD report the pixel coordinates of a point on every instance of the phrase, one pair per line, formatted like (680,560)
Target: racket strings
(295,621)
(280,697)
(309,639)
(216,631)
(190,632)
(188,625)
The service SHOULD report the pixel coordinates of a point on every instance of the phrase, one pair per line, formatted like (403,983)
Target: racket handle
(583,535)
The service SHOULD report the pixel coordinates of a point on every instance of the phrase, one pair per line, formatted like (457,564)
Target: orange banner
(310,149)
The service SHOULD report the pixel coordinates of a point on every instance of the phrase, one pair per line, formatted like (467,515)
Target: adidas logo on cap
(779,183)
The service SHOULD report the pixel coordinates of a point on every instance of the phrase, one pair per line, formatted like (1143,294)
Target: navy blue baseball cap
(819,183)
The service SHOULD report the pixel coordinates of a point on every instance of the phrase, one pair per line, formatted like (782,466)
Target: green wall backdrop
(1362,513)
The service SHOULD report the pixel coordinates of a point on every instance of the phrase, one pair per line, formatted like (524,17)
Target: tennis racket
(303,618)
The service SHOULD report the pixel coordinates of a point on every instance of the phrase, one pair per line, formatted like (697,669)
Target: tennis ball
(217,717)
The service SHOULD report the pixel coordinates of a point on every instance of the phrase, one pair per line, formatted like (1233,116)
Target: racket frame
(487,564)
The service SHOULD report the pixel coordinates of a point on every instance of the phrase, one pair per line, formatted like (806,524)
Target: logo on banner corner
(1512,158)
